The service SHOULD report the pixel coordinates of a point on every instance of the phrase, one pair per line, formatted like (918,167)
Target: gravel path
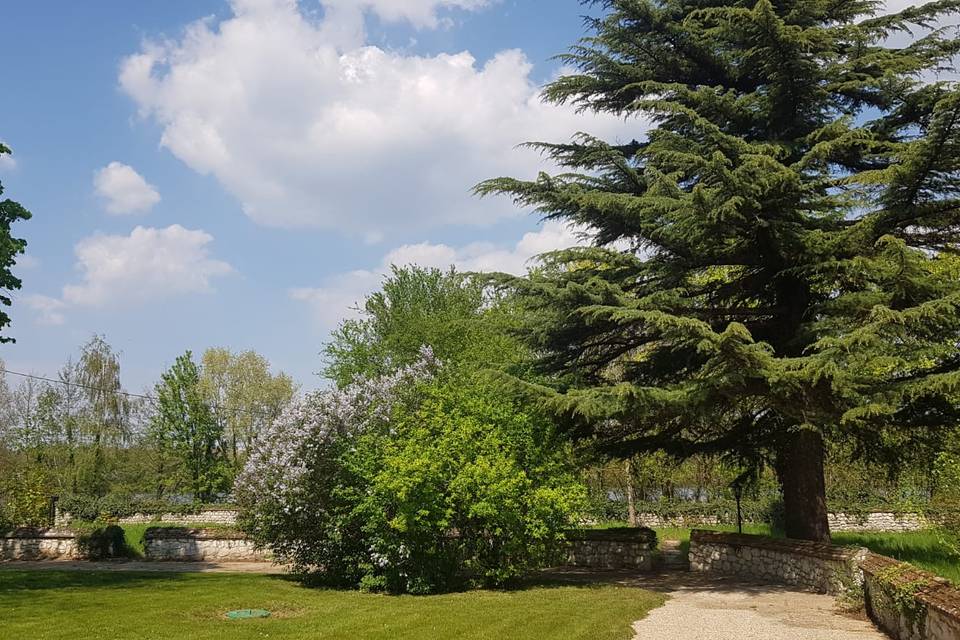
(713,609)
(705,607)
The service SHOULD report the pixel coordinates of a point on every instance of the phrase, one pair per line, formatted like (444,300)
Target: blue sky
(206,173)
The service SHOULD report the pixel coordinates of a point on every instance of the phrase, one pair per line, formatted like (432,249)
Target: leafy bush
(25,499)
(759,510)
(409,483)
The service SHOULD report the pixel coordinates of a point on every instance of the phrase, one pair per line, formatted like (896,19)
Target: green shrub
(25,499)
(768,510)
(410,484)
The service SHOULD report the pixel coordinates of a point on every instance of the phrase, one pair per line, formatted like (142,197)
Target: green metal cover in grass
(241,614)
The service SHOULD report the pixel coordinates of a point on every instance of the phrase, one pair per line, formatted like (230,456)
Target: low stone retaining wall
(200,545)
(39,544)
(908,603)
(627,548)
(810,565)
(878,521)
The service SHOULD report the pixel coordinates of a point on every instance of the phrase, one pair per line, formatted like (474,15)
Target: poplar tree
(764,268)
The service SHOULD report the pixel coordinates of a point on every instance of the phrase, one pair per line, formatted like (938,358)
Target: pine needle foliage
(766,268)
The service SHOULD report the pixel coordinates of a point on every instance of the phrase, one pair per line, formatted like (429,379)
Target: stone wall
(226,517)
(682,522)
(200,545)
(879,521)
(627,548)
(810,565)
(39,544)
(908,603)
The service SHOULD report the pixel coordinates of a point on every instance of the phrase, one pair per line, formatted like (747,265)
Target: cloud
(149,264)
(338,297)
(49,310)
(308,127)
(419,13)
(124,190)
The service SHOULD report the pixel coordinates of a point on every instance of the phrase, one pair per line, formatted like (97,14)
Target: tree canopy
(766,267)
(448,311)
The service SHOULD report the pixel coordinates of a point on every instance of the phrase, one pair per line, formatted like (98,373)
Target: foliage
(24,498)
(121,505)
(766,268)
(185,423)
(450,312)
(466,484)
(408,482)
(10,247)
(132,606)
(104,419)
(766,510)
(244,397)
(91,438)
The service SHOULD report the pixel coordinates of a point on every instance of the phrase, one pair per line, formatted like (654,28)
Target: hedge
(92,508)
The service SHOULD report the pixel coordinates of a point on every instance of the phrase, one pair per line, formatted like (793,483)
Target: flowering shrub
(409,483)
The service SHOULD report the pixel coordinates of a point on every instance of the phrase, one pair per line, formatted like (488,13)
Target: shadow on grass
(13,580)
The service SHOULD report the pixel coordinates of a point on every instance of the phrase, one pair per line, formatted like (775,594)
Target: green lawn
(54,605)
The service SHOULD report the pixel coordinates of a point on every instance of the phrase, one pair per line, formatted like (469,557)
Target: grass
(924,549)
(60,605)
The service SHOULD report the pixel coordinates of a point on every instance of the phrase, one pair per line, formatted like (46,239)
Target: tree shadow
(663,581)
(13,580)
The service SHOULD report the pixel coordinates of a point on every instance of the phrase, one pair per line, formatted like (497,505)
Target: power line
(78,385)
(119,391)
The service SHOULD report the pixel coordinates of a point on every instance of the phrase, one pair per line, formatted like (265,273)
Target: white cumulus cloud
(124,190)
(149,264)
(339,295)
(307,127)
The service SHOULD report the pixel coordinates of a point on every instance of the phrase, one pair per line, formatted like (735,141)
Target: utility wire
(119,392)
